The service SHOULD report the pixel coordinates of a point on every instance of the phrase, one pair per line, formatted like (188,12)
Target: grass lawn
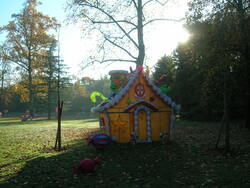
(28,160)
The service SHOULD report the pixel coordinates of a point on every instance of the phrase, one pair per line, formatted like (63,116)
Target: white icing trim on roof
(166,98)
(118,72)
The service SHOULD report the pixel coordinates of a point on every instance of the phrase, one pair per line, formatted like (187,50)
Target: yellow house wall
(122,124)
(156,126)
(120,127)
(102,129)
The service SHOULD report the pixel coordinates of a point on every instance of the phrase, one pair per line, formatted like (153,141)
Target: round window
(139,90)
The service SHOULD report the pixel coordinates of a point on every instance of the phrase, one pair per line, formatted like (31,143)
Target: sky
(74,48)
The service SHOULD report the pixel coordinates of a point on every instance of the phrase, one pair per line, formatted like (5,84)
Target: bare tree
(120,24)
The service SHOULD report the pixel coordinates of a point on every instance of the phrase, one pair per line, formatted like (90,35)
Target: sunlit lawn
(24,141)
(28,160)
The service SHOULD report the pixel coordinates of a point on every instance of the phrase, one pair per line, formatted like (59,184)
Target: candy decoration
(113,86)
(162,78)
(95,94)
(165,90)
(147,70)
(87,165)
(140,68)
(129,101)
(99,140)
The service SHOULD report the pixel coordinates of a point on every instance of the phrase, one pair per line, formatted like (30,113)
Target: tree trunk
(227,100)
(226,121)
(49,100)
(30,87)
(30,84)
(141,55)
(49,87)
(225,125)
(220,131)
(2,80)
(2,91)
(243,26)
(58,143)
(247,113)
(60,107)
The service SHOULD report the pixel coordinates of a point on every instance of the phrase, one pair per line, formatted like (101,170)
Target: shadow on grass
(123,165)
(185,162)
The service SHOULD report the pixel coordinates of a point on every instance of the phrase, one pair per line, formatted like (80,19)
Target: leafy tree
(5,83)
(79,98)
(231,17)
(218,58)
(51,79)
(187,88)
(27,36)
(48,76)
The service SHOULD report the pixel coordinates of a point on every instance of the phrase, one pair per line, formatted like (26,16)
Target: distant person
(6,111)
(27,116)
(1,114)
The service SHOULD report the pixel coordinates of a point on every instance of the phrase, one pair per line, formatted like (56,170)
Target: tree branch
(118,46)
(109,22)
(19,45)
(163,4)
(135,4)
(7,57)
(107,60)
(163,19)
(110,17)
(147,3)
(116,60)
(16,62)
(112,22)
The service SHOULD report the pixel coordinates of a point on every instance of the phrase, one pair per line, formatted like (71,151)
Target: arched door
(142,125)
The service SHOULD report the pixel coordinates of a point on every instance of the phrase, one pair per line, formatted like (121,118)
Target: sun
(163,40)
(183,35)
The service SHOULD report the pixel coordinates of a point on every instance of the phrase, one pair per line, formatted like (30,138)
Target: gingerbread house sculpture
(137,111)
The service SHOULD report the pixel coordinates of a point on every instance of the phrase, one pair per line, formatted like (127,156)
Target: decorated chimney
(118,79)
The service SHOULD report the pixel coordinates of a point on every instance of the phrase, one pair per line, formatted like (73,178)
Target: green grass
(28,160)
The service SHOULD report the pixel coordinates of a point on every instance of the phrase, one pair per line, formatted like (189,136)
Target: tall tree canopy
(26,40)
(230,23)
(211,68)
